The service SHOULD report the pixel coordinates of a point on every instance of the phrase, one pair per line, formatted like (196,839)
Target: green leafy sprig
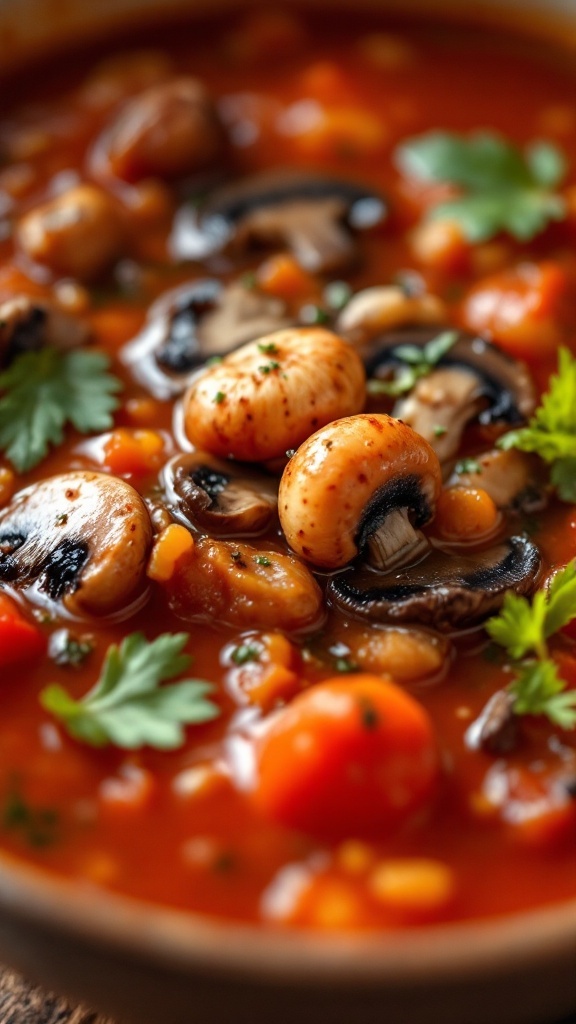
(551,432)
(43,391)
(500,188)
(417,361)
(523,628)
(127,706)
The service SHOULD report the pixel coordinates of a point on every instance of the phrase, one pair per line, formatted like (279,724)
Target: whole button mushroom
(82,537)
(367,481)
(77,234)
(27,325)
(271,394)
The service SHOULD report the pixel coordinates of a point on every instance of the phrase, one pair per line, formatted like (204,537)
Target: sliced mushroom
(387,308)
(312,216)
(496,730)
(362,482)
(236,583)
(474,380)
(444,591)
(83,537)
(196,322)
(271,394)
(514,480)
(225,498)
(167,131)
(27,325)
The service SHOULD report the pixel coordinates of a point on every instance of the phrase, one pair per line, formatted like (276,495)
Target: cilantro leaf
(417,362)
(501,188)
(551,432)
(539,691)
(43,391)
(523,627)
(127,707)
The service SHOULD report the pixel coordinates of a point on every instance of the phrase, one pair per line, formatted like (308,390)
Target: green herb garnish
(551,432)
(43,391)
(245,653)
(523,628)
(417,362)
(219,398)
(500,187)
(37,826)
(467,465)
(127,706)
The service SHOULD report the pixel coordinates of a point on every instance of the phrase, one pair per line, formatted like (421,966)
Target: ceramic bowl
(147,965)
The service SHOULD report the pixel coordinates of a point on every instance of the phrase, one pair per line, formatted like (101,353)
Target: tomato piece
(20,640)
(348,757)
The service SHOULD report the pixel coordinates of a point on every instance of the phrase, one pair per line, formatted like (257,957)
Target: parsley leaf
(127,706)
(43,391)
(551,432)
(417,362)
(539,691)
(522,628)
(502,189)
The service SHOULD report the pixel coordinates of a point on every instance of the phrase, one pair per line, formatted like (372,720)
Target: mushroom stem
(396,542)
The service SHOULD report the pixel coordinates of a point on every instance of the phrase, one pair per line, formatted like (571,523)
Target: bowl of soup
(287,523)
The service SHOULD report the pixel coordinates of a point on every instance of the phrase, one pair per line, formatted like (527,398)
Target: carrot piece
(465,513)
(7,485)
(354,756)
(133,452)
(526,309)
(283,277)
(174,542)
(20,640)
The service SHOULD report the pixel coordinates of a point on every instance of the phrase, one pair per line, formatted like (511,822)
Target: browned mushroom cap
(362,482)
(271,394)
(473,380)
(445,591)
(516,481)
(27,325)
(169,130)
(310,215)
(225,498)
(83,537)
(194,323)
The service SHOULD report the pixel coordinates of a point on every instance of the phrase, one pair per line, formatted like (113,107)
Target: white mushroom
(271,394)
(363,482)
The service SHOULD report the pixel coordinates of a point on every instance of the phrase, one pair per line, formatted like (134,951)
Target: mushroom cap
(27,325)
(304,210)
(225,498)
(445,591)
(271,394)
(83,537)
(503,382)
(345,480)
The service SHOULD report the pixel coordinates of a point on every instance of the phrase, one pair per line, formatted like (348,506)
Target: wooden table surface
(22,1003)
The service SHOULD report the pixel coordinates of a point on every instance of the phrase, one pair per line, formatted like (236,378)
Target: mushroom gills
(196,322)
(223,498)
(445,591)
(473,380)
(310,214)
(388,528)
(28,325)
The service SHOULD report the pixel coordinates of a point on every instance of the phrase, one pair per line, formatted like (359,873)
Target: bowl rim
(189,941)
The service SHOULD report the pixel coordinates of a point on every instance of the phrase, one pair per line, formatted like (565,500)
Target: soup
(286,493)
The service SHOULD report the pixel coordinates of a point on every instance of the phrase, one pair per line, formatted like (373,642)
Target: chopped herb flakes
(245,653)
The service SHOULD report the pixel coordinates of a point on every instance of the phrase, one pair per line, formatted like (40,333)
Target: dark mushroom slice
(224,498)
(27,325)
(82,537)
(496,730)
(516,481)
(445,591)
(196,322)
(312,216)
(473,380)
